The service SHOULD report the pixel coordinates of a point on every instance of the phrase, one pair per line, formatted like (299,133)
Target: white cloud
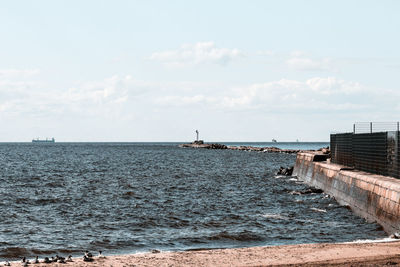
(122,98)
(195,54)
(14,80)
(332,85)
(16,89)
(121,104)
(108,90)
(308,64)
(265,53)
(21,95)
(15,73)
(324,94)
(298,53)
(184,100)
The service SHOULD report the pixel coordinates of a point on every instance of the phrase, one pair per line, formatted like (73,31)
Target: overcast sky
(159,70)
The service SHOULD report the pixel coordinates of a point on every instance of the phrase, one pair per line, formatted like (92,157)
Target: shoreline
(357,253)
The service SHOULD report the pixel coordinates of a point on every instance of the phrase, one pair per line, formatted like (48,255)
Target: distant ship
(273,140)
(37,140)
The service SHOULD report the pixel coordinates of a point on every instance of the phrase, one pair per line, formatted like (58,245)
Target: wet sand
(340,254)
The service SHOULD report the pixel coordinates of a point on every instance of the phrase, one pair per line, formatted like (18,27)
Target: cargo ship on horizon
(37,140)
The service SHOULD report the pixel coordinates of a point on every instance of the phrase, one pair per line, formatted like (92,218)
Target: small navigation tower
(197,141)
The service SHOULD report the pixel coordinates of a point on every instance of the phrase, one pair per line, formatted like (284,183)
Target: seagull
(7,263)
(85,258)
(101,255)
(69,258)
(24,262)
(88,256)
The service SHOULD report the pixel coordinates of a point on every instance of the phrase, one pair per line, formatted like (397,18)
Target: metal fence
(376,150)
(375,127)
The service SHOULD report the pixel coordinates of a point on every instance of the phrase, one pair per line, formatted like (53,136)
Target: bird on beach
(36,259)
(101,255)
(69,258)
(24,262)
(59,259)
(7,263)
(47,260)
(88,256)
(85,258)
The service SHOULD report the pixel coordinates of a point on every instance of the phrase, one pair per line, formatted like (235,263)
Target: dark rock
(201,144)
(320,157)
(312,190)
(217,146)
(285,171)
(395,236)
(208,146)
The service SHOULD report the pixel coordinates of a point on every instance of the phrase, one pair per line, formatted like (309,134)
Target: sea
(66,198)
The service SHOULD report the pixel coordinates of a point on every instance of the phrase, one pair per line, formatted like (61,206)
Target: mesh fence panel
(370,152)
(342,149)
(377,152)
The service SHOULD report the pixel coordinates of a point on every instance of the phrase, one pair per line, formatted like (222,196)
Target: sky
(143,71)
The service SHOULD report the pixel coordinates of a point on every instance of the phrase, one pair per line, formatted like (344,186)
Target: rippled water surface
(119,198)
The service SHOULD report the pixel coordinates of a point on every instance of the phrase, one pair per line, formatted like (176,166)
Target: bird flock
(88,257)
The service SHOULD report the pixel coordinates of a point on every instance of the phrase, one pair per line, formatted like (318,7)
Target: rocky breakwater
(200,144)
(264,149)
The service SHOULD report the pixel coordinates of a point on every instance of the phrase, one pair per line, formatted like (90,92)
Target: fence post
(354,128)
(397,126)
(370,126)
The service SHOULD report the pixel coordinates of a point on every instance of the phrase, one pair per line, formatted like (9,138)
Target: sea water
(65,198)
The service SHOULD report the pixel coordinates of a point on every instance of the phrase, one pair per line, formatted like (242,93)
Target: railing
(375,127)
(376,150)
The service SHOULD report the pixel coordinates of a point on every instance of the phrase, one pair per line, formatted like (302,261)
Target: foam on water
(318,210)
(364,241)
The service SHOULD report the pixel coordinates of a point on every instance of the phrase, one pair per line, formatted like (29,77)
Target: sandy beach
(338,254)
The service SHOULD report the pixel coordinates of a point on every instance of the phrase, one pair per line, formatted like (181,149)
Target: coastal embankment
(371,196)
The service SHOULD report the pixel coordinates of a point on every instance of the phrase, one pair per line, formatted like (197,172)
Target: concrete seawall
(373,197)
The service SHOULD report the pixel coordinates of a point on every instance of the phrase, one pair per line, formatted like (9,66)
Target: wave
(318,210)
(363,241)
(13,252)
(275,216)
(243,236)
